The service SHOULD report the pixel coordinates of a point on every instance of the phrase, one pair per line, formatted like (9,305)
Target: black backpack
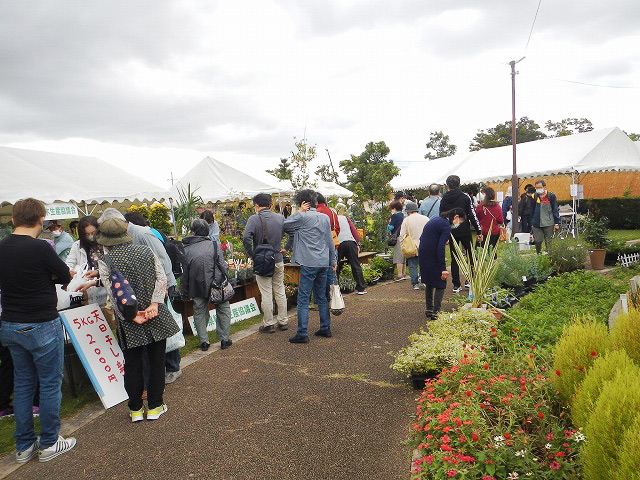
(264,255)
(175,251)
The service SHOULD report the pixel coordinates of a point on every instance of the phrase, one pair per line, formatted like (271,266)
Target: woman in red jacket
(489,215)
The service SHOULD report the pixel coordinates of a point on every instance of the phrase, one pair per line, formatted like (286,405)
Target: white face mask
(57,233)
(91,238)
(455,225)
(540,191)
(481,196)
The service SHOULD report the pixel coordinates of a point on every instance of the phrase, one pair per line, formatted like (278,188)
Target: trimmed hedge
(622,212)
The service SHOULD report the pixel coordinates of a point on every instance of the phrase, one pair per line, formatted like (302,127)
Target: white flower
(548,446)
(499,438)
(521,453)
(529,474)
(513,476)
(579,437)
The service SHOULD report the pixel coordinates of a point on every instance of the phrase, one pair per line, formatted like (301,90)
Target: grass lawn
(86,394)
(624,235)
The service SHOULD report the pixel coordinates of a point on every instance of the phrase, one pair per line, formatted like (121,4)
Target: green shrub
(369,274)
(567,255)
(574,353)
(625,334)
(622,212)
(159,218)
(595,231)
(604,369)
(381,265)
(539,267)
(541,315)
(346,281)
(617,406)
(512,266)
(628,458)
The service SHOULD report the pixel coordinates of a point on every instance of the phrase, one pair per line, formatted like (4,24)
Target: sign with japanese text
(59,211)
(239,311)
(98,350)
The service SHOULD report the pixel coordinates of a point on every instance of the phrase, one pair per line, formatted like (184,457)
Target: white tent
(52,177)
(332,189)
(215,181)
(608,149)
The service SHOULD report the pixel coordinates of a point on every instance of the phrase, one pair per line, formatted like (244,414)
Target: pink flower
(554,465)
(452,473)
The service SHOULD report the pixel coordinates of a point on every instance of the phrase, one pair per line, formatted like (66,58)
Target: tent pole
(173,218)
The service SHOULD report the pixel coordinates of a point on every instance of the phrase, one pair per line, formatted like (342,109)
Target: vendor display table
(292,271)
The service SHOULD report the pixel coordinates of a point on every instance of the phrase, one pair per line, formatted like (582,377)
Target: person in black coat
(431,254)
(526,207)
(456,198)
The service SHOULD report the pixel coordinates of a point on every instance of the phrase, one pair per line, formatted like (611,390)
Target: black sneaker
(299,339)
(323,333)
(267,329)
(204,346)
(283,327)
(224,344)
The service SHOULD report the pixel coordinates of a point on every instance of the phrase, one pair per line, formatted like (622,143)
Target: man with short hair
(430,206)
(413,226)
(31,328)
(314,251)
(267,226)
(62,240)
(546,218)
(456,198)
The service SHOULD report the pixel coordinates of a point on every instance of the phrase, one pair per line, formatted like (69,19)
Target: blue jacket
(535,220)
(312,240)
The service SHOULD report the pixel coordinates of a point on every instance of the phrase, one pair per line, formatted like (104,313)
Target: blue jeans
(312,278)
(38,355)
(414,263)
(331,280)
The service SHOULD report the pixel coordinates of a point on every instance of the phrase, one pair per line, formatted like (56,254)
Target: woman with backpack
(489,215)
(142,318)
(204,265)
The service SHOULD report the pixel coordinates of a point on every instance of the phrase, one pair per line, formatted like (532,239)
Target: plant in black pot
(595,233)
(512,270)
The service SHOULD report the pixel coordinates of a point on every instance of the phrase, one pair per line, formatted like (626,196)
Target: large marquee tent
(57,177)
(606,150)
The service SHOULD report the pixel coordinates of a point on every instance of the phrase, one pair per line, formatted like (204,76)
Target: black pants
(465,243)
(349,251)
(493,240)
(434,299)
(133,378)
(6,377)
(525,224)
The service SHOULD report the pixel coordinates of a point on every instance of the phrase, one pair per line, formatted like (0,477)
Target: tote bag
(408,246)
(337,302)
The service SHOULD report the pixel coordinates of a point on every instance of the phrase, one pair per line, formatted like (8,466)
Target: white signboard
(98,350)
(500,197)
(239,311)
(59,211)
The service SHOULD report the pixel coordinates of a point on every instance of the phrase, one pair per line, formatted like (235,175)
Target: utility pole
(335,175)
(514,178)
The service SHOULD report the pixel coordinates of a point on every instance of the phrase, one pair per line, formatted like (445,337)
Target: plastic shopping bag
(337,302)
(177,340)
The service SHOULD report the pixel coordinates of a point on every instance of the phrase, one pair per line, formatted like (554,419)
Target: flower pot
(597,256)
(496,313)
(520,291)
(418,379)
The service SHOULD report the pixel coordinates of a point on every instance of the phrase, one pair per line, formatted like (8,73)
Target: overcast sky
(153,86)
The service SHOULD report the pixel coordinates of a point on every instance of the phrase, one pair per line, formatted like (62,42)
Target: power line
(594,84)
(533,25)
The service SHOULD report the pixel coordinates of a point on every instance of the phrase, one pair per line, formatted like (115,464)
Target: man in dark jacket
(202,266)
(546,218)
(456,198)
(526,207)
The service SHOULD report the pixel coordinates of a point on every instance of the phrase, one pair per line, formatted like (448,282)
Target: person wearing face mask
(490,216)
(85,249)
(432,257)
(62,240)
(546,218)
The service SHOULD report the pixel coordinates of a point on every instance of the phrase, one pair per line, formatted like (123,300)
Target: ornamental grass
(577,349)
(625,334)
(617,406)
(481,276)
(628,458)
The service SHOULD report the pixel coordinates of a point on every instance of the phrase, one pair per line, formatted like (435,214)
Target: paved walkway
(266,409)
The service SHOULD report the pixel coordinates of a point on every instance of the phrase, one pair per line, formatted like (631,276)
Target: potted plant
(595,233)
(291,291)
(481,276)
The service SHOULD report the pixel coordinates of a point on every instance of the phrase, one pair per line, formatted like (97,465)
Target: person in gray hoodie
(203,264)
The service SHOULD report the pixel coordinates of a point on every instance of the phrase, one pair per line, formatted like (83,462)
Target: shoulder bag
(224,291)
(121,291)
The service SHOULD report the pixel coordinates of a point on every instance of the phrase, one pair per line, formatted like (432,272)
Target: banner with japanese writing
(59,211)
(239,311)
(98,350)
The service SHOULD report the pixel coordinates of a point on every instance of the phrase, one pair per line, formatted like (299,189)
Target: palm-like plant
(185,211)
(481,276)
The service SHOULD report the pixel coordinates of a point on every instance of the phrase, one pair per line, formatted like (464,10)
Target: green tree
(303,155)
(325,172)
(634,136)
(499,136)
(440,146)
(370,172)
(282,171)
(568,126)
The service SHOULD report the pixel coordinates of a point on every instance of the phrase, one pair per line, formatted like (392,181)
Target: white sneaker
(29,453)
(457,290)
(416,287)
(171,377)
(363,292)
(467,285)
(154,413)
(57,449)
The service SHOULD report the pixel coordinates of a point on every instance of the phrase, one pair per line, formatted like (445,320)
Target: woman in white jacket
(85,250)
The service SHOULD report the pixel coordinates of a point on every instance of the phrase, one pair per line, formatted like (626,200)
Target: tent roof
(216,181)
(54,177)
(608,149)
(329,189)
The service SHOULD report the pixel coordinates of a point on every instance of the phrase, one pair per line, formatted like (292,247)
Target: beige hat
(113,231)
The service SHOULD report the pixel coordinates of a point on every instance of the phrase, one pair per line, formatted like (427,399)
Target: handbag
(121,291)
(224,291)
(337,302)
(408,246)
(393,239)
(175,341)
(503,230)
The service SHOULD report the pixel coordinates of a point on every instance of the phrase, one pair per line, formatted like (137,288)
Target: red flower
(531,355)
(474,436)
(515,330)
(593,353)
(495,334)
(581,368)
(452,473)
(469,393)
(493,329)
(486,366)
(558,372)
(507,436)
(533,347)
(550,436)
(540,415)
(554,465)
